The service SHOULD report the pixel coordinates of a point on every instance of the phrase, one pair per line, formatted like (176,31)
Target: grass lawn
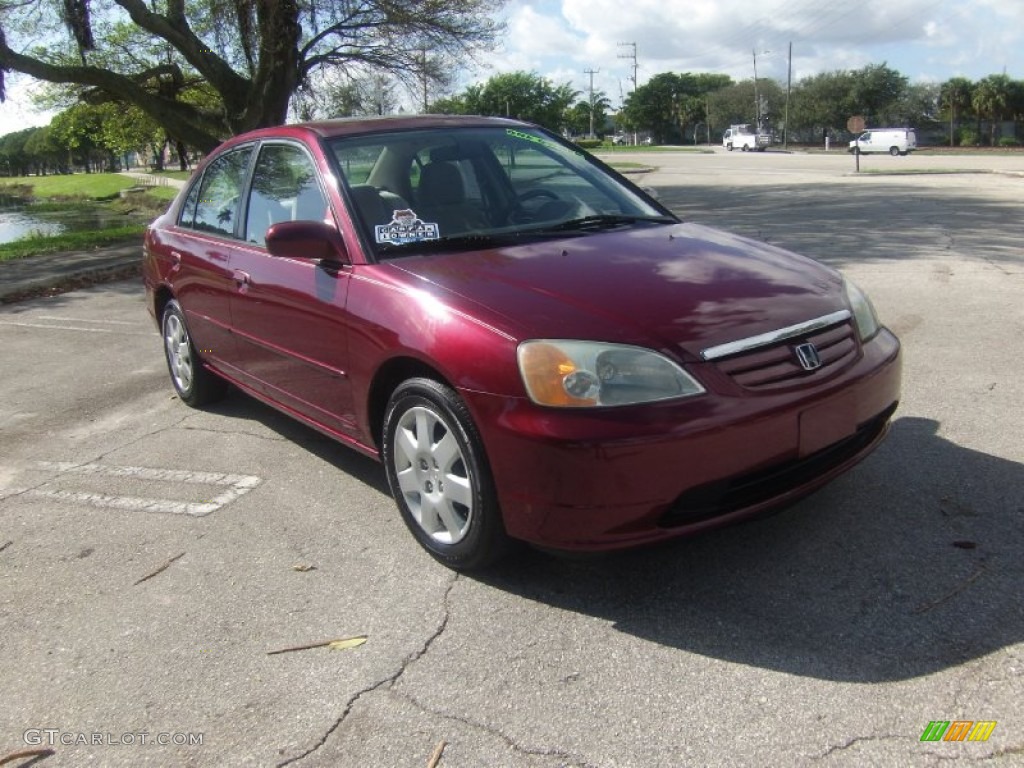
(162,193)
(92,186)
(77,191)
(72,241)
(700,149)
(181,175)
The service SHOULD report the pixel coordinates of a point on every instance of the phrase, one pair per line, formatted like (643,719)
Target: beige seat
(441,200)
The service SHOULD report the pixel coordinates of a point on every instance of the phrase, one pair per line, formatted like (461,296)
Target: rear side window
(218,201)
(284,188)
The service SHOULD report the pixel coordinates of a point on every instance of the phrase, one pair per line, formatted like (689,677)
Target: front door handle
(242,280)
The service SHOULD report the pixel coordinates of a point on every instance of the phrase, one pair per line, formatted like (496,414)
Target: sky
(925,40)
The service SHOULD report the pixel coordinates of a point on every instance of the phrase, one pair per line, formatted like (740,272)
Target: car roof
(360,125)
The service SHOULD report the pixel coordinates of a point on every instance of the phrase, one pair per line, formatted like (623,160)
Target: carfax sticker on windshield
(405,227)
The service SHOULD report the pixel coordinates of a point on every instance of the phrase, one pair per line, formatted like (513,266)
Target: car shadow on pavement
(906,566)
(240,406)
(869,222)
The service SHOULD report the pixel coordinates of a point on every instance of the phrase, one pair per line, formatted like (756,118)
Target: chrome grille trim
(773,337)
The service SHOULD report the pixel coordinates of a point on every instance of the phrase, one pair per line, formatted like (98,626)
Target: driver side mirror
(307,240)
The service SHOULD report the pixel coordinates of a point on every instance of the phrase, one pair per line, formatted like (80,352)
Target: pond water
(18,222)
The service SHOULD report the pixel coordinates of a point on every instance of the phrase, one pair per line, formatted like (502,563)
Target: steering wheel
(518,213)
(530,194)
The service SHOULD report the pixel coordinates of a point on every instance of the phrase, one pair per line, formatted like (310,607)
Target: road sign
(855,124)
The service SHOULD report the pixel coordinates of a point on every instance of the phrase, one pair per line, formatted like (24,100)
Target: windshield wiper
(603,221)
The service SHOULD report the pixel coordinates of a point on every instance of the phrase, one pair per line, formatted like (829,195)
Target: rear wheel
(194,384)
(438,473)
(745,147)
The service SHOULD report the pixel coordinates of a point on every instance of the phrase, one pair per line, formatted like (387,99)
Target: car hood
(685,286)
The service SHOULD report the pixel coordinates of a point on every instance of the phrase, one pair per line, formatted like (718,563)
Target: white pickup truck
(746,138)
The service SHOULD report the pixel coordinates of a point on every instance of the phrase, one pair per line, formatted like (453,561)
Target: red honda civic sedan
(535,348)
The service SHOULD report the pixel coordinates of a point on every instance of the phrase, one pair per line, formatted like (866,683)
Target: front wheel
(745,147)
(194,384)
(438,473)
(729,147)
(894,151)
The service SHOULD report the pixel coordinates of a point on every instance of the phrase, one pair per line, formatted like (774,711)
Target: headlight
(582,374)
(863,311)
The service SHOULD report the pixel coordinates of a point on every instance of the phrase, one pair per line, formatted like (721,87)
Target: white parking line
(76,328)
(234,486)
(85,320)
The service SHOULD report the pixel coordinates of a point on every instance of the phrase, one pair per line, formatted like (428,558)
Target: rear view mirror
(307,240)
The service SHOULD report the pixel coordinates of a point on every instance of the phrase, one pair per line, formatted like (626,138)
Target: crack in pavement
(389,681)
(553,752)
(241,432)
(856,740)
(96,459)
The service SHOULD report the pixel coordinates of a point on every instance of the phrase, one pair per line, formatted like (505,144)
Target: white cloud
(929,40)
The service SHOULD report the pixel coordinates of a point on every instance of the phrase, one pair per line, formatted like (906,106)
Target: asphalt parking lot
(153,557)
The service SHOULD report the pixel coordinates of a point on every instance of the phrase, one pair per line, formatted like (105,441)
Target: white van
(895,141)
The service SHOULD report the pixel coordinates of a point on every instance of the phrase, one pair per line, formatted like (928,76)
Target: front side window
(218,200)
(417,190)
(284,188)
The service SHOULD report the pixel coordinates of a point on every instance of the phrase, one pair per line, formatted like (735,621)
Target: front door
(289,315)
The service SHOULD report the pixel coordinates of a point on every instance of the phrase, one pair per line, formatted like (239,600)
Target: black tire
(193,382)
(894,151)
(729,147)
(745,148)
(430,440)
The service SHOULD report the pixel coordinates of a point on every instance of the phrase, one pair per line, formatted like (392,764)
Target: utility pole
(633,78)
(757,96)
(789,88)
(591,72)
(757,99)
(630,56)
(424,79)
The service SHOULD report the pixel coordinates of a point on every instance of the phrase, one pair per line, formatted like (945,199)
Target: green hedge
(589,143)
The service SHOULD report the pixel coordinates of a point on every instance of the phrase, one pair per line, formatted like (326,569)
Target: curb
(54,273)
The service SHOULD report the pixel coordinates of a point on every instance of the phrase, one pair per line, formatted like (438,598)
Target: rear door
(201,247)
(289,314)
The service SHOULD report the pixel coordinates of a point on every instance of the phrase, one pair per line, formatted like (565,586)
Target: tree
(821,103)
(523,95)
(666,103)
(13,157)
(991,99)
(44,153)
(77,131)
(955,97)
(578,117)
(918,105)
(875,93)
(253,54)
(735,103)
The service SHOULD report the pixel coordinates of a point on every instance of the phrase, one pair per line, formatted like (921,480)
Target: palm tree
(992,99)
(955,94)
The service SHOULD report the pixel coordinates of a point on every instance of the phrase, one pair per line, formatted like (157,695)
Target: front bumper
(605,479)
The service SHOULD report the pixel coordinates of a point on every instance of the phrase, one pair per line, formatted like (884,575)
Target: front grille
(715,499)
(776,366)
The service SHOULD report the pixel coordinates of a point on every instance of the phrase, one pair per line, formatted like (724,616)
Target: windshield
(416,191)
